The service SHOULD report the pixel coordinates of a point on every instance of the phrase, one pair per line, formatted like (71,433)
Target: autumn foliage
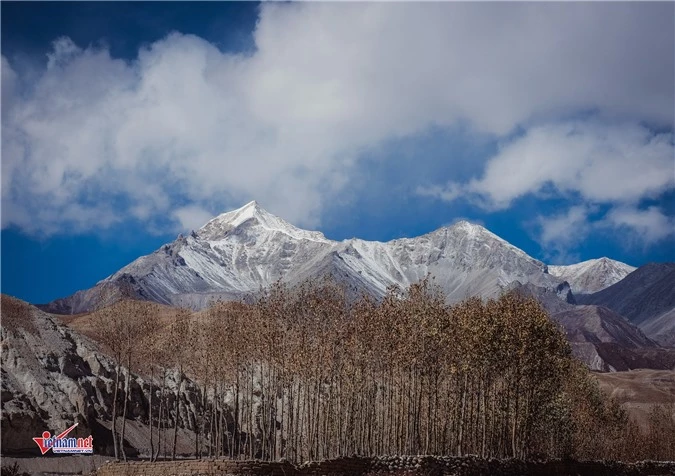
(307,373)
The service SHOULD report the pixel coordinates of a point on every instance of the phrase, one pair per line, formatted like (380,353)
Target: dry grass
(639,390)
(85,324)
(17,314)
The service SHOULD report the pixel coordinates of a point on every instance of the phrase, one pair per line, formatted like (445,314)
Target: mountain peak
(592,275)
(234,218)
(468,226)
(605,262)
(251,205)
(253,213)
(476,231)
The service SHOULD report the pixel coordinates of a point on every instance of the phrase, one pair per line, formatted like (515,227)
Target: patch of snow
(592,275)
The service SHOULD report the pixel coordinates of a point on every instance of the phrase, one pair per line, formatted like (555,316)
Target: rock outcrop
(53,377)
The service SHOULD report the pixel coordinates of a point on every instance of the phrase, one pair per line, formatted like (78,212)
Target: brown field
(84,323)
(639,390)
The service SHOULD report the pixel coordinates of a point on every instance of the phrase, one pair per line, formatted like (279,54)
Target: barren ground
(640,390)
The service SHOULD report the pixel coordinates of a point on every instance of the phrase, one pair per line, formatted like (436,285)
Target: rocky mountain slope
(243,250)
(607,342)
(53,377)
(591,276)
(646,297)
(599,337)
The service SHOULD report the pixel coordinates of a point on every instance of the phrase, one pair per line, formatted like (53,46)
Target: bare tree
(308,373)
(178,352)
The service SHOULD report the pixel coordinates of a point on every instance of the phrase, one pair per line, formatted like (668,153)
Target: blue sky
(127,123)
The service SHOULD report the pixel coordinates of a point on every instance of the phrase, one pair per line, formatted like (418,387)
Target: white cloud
(64,50)
(286,125)
(601,163)
(559,231)
(590,162)
(192,217)
(8,85)
(448,193)
(647,226)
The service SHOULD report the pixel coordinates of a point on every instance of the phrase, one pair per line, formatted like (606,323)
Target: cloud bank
(618,166)
(185,130)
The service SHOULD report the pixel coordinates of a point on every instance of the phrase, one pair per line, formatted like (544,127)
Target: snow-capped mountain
(241,251)
(591,276)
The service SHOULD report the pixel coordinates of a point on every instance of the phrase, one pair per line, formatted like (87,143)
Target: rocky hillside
(646,297)
(601,338)
(53,377)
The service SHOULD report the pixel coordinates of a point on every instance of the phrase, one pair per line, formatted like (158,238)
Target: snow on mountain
(217,228)
(464,259)
(593,275)
(236,252)
(243,250)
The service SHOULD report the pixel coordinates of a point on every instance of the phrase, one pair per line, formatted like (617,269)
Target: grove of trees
(306,373)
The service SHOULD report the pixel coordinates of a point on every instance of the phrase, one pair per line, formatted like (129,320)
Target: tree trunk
(175,429)
(461,417)
(161,425)
(114,411)
(152,443)
(236,449)
(124,413)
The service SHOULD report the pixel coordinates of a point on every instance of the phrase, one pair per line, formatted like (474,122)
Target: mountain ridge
(242,250)
(238,252)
